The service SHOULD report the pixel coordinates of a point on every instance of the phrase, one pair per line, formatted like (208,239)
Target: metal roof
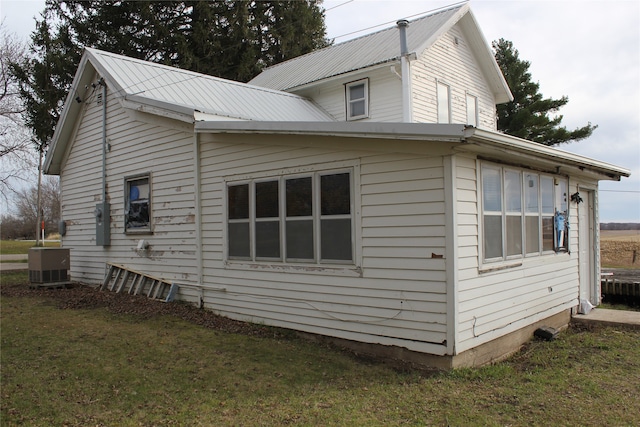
(180,90)
(362,52)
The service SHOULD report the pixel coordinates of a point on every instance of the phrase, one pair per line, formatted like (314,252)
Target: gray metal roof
(362,52)
(180,90)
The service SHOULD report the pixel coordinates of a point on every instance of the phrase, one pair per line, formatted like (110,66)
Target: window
(357,100)
(137,204)
(302,218)
(444,103)
(523,213)
(472,110)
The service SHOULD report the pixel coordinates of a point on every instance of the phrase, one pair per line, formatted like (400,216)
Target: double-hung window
(357,94)
(294,219)
(523,213)
(137,204)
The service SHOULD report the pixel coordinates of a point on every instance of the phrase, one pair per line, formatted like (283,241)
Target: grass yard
(97,366)
(14,247)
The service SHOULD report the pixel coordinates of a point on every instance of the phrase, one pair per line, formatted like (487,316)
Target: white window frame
(472,110)
(128,228)
(316,217)
(351,101)
(542,213)
(443,102)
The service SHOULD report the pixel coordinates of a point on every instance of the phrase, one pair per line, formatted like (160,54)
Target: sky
(586,50)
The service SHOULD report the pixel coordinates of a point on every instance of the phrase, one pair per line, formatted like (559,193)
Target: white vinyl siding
(396,292)
(135,148)
(384,93)
(455,65)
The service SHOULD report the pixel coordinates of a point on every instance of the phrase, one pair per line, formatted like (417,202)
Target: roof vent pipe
(407,115)
(402,26)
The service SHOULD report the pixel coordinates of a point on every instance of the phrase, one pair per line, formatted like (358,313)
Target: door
(589,286)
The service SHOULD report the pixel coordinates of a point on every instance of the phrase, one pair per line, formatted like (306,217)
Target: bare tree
(25,206)
(17,156)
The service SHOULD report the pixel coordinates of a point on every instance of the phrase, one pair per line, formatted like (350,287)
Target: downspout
(198,210)
(405,71)
(104,139)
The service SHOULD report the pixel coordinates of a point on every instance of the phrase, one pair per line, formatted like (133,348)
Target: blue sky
(586,50)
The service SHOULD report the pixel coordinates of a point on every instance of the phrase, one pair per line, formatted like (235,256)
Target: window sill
(138,232)
(325,269)
(530,261)
(498,267)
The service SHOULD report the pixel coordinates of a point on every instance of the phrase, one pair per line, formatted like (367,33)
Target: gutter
(379,130)
(494,140)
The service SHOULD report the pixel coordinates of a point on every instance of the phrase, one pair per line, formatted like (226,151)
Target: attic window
(357,94)
(444,103)
(472,110)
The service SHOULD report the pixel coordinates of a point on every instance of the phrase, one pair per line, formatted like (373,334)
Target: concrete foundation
(484,354)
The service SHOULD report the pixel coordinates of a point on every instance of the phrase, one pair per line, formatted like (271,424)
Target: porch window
(137,204)
(294,219)
(357,94)
(523,213)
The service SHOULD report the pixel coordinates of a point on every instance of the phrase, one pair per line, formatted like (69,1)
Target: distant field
(620,248)
(620,235)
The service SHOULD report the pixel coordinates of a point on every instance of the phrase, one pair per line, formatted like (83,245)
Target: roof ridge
(98,52)
(429,14)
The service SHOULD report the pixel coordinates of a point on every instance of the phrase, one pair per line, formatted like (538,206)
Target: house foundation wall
(490,352)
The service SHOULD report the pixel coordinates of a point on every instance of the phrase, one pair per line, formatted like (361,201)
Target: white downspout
(407,115)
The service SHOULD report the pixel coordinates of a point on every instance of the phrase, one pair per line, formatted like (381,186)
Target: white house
(360,193)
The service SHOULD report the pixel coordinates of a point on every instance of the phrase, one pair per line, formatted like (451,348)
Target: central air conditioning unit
(48,265)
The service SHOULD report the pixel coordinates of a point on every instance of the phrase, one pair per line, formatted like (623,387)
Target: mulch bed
(78,296)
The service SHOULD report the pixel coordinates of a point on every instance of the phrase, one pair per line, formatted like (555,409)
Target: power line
(395,20)
(337,6)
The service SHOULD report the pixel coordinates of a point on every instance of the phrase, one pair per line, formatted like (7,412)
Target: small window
(472,110)
(444,103)
(357,100)
(137,204)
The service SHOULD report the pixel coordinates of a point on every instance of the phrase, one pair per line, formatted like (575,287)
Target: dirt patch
(79,296)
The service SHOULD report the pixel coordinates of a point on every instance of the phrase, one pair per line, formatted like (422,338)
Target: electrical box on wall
(103,224)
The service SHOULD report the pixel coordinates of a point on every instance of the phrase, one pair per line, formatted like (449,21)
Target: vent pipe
(402,26)
(406,72)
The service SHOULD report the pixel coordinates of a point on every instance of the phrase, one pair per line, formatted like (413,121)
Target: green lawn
(80,367)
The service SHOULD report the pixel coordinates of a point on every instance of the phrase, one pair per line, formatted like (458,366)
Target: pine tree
(229,39)
(528,115)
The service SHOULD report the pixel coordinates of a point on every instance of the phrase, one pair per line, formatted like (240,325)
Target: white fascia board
(159,108)
(494,140)
(406,131)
